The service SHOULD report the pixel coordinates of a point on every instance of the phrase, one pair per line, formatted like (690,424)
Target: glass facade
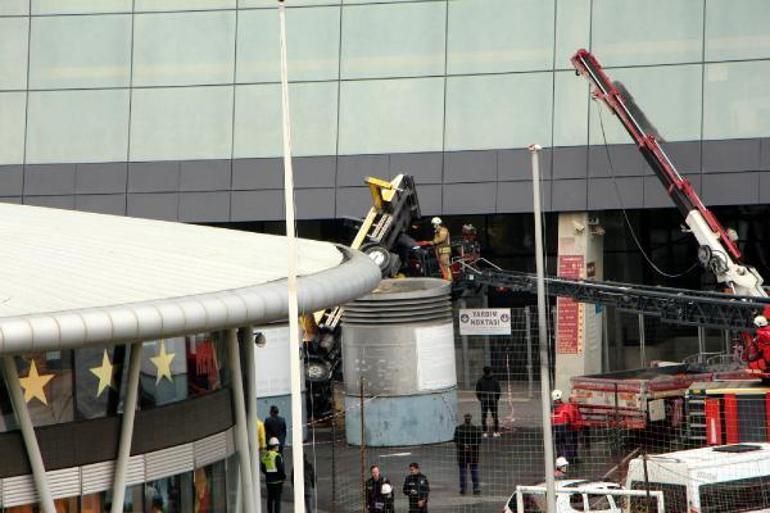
(88,383)
(95,81)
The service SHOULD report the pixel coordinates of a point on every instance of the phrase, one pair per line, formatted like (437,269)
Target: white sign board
(485,321)
(435,357)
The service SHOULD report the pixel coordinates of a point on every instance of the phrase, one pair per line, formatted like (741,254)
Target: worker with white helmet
(442,243)
(562,465)
(275,475)
(566,422)
(758,347)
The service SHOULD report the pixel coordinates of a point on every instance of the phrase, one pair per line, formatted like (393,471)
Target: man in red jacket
(566,422)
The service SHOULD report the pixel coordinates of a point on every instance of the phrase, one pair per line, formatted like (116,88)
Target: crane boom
(717,251)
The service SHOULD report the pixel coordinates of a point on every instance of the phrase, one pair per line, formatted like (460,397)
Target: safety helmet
(760,321)
(273,442)
(386,489)
(435,221)
(556,395)
(561,462)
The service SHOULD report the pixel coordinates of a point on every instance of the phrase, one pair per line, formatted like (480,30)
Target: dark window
(598,502)
(100,378)
(675,497)
(204,363)
(739,495)
(576,501)
(169,495)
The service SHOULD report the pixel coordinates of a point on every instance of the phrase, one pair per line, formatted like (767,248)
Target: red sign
(569,332)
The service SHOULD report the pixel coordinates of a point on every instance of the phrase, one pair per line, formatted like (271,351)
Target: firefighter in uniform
(442,243)
(275,475)
(566,422)
(759,347)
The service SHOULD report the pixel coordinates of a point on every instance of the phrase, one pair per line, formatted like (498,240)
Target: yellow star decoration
(34,383)
(105,373)
(163,363)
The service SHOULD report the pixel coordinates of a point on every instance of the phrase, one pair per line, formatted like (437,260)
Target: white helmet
(386,489)
(556,395)
(760,321)
(561,462)
(436,221)
(273,442)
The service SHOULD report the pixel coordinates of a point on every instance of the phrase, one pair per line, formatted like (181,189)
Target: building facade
(170,109)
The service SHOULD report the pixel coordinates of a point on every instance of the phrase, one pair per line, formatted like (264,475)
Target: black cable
(625,214)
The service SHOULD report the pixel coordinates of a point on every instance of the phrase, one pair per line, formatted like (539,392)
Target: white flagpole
(297,449)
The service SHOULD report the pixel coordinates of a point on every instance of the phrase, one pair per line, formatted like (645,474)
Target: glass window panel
(14,7)
(205,358)
(294,3)
(184,5)
(79,6)
(80,51)
(132,503)
(670,96)
(498,111)
(210,489)
(233,483)
(737,30)
(573,29)
(169,495)
(629,32)
(100,383)
(12,108)
(181,123)
(68,505)
(184,48)
(313,51)
(163,374)
(393,40)
(571,104)
(77,126)
(488,36)
(13,52)
(258,120)
(382,116)
(47,386)
(7,418)
(737,100)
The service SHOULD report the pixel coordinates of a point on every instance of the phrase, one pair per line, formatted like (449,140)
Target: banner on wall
(485,321)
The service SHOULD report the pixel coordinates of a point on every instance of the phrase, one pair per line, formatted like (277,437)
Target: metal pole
(126,429)
(545,385)
(605,339)
(363,446)
(528,336)
(241,435)
(28,434)
(464,340)
(251,412)
(642,342)
(297,449)
(487,349)
(726,339)
(701,343)
(334,444)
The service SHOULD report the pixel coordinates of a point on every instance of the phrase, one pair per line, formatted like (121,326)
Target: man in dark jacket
(468,440)
(488,394)
(417,489)
(275,426)
(376,500)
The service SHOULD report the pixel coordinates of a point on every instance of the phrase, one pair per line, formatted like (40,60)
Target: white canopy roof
(72,278)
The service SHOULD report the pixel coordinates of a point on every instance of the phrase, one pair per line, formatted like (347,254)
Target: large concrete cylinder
(272,367)
(399,340)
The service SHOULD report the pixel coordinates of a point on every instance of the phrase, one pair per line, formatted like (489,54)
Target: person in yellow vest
(275,474)
(261,438)
(443,245)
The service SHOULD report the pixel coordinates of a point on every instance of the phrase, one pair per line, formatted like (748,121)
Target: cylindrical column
(126,429)
(701,344)
(241,434)
(464,341)
(251,411)
(28,434)
(545,385)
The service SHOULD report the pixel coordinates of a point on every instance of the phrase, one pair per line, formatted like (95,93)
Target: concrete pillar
(579,325)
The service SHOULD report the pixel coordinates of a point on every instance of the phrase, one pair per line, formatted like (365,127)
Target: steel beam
(28,434)
(241,430)
(251,410)
(126,429)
